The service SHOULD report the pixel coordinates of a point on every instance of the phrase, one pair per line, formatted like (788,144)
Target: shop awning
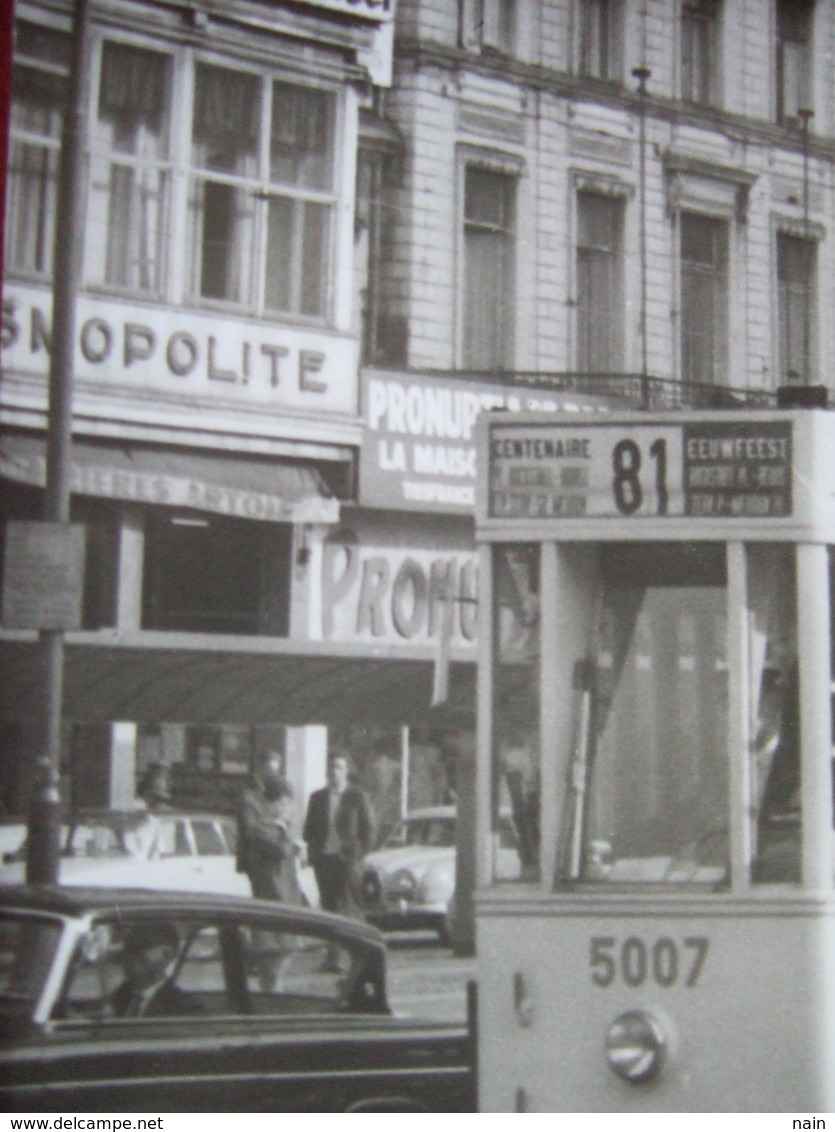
(258,487)
(201,678)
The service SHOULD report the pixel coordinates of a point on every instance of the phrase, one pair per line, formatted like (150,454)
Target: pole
(44,816)
(642,74)
(805,117)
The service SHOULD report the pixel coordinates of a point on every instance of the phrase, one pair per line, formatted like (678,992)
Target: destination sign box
(715,469)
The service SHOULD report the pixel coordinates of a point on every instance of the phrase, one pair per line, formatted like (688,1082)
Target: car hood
(416,858)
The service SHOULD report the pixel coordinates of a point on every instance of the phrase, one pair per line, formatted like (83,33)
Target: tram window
(648,782)
(516,706)
(775,770)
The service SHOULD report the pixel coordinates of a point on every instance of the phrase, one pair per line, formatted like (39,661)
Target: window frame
(263,191)
(49,145)
(708,14)
(507,309)
(807,290)
(616,327)
(802,39)
(110,158)
(590,16)
(721,301)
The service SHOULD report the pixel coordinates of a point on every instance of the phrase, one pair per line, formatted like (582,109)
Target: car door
(292,1017)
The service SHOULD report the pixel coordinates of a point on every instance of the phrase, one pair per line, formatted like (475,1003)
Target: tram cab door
(656,717)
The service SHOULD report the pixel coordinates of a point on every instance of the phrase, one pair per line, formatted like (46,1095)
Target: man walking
(339,831)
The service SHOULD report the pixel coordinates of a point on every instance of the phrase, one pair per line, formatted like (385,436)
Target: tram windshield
(645,784)
(649,799)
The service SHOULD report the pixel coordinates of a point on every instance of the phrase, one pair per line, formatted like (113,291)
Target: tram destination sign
(712,470)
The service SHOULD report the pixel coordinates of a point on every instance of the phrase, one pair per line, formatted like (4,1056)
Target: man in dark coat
(149,953)
(339,831)
(263,845)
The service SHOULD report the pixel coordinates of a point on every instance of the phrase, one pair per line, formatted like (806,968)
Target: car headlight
(370,887)
(402,885)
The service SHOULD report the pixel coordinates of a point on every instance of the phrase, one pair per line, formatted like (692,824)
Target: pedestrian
(339,831)
(155,788)
(264,847)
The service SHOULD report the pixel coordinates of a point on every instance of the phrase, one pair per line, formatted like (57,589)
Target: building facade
(306,269)
(215,407)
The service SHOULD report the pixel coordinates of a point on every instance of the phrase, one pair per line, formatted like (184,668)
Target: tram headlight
(636,1046)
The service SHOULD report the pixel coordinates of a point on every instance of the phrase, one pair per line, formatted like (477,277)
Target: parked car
(190,852)
(409,882)
(270,1009)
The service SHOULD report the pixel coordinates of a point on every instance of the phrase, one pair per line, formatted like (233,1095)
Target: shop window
(261,234)
(600,37)
(489,25)
(599,283)
(488,293)
(209,575)
(38,93)
(796,276)
(704,298)
(794,58)
(130,178)
(700,51)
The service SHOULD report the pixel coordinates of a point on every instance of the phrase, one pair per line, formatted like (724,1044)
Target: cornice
(530,76)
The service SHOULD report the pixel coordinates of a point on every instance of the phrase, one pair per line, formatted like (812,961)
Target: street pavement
(426,980)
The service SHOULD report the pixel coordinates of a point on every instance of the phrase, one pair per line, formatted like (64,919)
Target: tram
(654,692)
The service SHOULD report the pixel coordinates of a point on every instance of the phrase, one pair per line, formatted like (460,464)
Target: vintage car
(269,1008)
(409,882)
(192,852)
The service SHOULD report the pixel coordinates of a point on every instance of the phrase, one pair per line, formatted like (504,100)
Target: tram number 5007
(664,961)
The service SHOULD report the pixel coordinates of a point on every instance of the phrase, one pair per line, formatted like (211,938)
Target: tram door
(655,713)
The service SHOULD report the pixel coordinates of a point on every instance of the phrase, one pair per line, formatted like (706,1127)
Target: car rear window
(27,949)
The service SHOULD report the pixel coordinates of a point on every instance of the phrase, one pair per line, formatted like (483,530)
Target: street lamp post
(44,817)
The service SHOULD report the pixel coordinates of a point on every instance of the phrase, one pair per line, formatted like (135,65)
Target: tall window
(599,283)
(489,25)
(599,39)
(261,213)
(794,58)
(699,50)
(488,268)
(38,94)
(130,179)
(796,271)
(704,298)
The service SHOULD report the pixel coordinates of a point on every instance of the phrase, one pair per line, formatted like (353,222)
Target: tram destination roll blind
(699,469)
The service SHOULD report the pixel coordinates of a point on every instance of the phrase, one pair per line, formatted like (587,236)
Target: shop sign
(187,355)
(395,594)
(711,469)
(418,450)
(43,575)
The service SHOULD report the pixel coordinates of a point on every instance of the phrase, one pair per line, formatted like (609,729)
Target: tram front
(655,711)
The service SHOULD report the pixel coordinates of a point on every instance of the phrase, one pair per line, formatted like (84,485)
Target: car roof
(77,901)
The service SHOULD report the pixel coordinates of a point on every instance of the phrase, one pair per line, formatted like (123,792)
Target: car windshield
(435,831)
(116,835)
(27,948)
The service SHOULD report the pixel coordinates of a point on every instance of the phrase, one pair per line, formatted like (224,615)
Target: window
(130,179)
(796,272)
(261,207)
(213,575)
(599,283)
(599,39)
(794,58)
(488,268)
(489,25)
(704,298)
(38,94)
(699,50)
